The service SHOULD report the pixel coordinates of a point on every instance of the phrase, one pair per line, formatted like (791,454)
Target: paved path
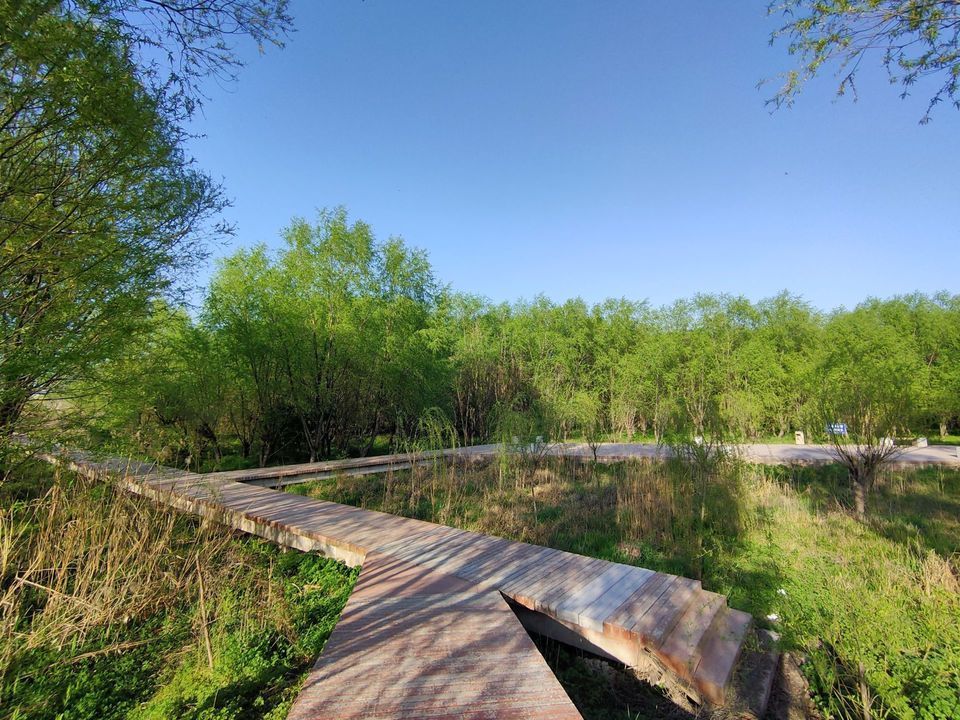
(429,633)
(768,454)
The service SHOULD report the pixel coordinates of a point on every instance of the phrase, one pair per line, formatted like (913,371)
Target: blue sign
(836,429)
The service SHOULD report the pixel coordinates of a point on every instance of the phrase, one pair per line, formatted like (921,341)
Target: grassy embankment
(874,607)
(112,607)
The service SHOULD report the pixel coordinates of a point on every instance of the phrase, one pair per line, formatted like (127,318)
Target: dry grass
(113,606)
(874,606)
(84,560)
(638,512)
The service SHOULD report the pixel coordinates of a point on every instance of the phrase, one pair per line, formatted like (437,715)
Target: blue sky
(592,149)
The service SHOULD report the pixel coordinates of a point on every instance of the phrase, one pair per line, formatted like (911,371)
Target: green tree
(777,358)
(913,39)
(101,212)
(241,308)
(943,359)
(870,377)
(331,334)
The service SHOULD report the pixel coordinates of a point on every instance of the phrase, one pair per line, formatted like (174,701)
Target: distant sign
(836,429)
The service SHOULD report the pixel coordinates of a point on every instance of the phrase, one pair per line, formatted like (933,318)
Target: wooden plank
(576,567)
(533,586)
(429,653)
(494,569)
(655,624)
(523,587)
(679,647)
(619,622)
(549,600)
(458,549)
(594,614)
(582,598)
(719,651)
(395,547)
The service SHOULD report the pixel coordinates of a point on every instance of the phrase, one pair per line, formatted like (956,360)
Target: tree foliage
(101,212)
(340,343)
(871,379)
(913,39)
(314,351)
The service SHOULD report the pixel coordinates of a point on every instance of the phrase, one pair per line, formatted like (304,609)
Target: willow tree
(871,380)
(101,211)
(331,334)
(915,40)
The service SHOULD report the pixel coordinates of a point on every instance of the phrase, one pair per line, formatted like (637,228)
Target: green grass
(256,672)
(872,604)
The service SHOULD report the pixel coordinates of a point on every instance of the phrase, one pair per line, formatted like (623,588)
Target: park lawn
(875,601)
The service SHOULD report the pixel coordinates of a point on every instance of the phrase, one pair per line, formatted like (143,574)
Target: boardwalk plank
(719,651)
(655,624)
(633,608)
(452,654)
(583,597)
(595,613)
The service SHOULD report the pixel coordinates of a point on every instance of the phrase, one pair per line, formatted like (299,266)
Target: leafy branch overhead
(176,44)
(915,40)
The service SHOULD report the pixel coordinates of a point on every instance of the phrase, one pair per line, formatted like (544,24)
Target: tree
(943,396)
(585,411)
(913,39)
(781,351)
(101,212)
(332,333)
(870,378)
(166,390)
(241,309)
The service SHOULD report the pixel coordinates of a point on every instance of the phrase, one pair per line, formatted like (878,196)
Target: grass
(101,617)
(101,612)
(874,607)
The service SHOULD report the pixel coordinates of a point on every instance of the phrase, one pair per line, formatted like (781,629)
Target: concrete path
(758,453)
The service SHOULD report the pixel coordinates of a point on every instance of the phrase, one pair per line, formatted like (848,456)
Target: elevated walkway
(421,580)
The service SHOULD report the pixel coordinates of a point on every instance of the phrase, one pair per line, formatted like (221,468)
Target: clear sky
(592,149)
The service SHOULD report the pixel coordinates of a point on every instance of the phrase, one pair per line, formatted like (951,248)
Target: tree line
(340,344)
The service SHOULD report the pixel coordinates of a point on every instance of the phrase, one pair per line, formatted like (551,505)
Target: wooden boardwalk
(429,620)
(415,643)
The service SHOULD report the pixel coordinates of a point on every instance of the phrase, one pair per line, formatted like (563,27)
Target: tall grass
(112,606)
(83,558)
(873,607)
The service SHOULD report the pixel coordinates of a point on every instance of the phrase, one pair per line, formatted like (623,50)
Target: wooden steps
(627,613)
(718,653)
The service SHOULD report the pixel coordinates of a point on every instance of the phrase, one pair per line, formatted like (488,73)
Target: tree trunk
(860,498)
(943,428)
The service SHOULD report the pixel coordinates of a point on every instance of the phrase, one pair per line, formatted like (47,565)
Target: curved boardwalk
(429,624)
